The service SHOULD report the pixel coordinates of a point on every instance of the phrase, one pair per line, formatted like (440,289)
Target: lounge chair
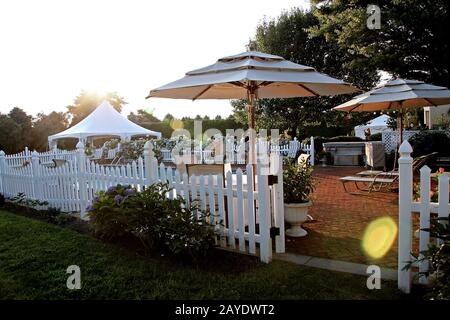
(418,163)
(379,180)
(376,183)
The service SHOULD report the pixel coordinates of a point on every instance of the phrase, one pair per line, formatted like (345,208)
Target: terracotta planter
(296,214)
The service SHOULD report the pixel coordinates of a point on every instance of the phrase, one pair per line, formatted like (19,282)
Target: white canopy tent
(103,121)
(376,125)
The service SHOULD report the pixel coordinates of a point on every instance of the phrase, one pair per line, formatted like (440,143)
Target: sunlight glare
(379,237)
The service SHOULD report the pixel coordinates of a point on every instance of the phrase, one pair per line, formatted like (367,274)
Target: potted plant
(298,183)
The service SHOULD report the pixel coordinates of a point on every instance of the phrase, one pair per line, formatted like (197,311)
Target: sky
(50,50)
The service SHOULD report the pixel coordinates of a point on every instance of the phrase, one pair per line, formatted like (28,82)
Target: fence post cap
(405,148)
(148,149)
(147,145)
(80,145)
(34,154)
(2,153)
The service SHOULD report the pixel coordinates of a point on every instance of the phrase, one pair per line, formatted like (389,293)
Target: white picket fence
(240,206)
(235,152)
(110,153)
(424,207)
(22,158)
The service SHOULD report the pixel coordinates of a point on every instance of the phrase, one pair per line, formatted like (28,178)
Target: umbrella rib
(238,84)
(265,83)
(202,92)
(357,105)
(428,100)
(307,89)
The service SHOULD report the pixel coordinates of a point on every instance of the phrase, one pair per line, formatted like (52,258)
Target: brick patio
(340,220)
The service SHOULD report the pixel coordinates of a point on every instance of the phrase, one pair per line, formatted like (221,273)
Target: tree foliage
(288,37)
(86,102)
(412,42)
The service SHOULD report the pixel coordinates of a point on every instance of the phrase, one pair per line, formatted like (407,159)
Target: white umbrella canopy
(252,75)
(398,94)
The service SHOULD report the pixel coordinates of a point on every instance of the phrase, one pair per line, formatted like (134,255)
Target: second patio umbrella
(398,94)
(252,75)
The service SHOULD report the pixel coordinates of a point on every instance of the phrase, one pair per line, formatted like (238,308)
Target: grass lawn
(34,256)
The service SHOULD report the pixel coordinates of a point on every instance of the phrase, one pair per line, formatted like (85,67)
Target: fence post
(265,245)
(311,151)
(404,219)
(276,168)
(81,177)
(35,171)
(2,170)
(151,164)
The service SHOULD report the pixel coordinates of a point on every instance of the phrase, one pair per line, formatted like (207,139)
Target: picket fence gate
(245,209)
(424,207)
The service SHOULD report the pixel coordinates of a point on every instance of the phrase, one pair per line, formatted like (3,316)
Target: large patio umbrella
(252,75)
(398,94)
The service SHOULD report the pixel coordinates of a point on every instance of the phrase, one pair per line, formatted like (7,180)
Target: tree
(168,117)
(24,121)
(412,42)
(10,135)
(149,121)
(46,125)
(86,102)
(288,37)
(142,117)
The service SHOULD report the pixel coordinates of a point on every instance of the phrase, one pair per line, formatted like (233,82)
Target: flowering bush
(150,216)
(109,219)
(434,192)
(298,182)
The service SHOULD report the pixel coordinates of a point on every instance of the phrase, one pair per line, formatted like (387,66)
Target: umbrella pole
(251,128)
(400,126)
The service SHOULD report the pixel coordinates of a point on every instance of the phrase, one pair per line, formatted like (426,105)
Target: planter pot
(296,214)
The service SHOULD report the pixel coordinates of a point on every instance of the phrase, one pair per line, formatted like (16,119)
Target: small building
(437,117)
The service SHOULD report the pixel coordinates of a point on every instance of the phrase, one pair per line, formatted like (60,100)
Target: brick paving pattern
(340,219)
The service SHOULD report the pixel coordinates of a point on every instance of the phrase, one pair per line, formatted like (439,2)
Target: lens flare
(379,237)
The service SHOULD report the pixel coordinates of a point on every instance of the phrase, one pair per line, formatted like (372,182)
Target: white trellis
(391,138)
(243,203)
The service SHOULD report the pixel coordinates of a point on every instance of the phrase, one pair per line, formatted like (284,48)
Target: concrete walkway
(334,265)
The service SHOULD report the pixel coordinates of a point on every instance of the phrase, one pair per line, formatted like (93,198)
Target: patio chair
(59,162)
(418,163)
(205,170)
(376,183)
(382,180)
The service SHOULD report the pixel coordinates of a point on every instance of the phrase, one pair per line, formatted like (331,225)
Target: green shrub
(158,222)
(298,182)
(376,137)
(426,142)
(20,200)
(439,258)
